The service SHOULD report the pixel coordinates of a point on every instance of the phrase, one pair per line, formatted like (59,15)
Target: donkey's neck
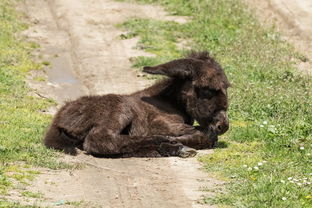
(167,90)
(172,92)
(158,88)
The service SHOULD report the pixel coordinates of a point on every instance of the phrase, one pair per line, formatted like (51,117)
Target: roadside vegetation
(22,122)
(265,158)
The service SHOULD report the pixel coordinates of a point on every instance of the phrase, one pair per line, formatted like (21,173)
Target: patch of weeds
(46,63)
(75,203)
(80,203)
(270,101)
(30,194)
(6,204)
(40,78)
(128,35)
(174,7)
(302,57)
(33,45)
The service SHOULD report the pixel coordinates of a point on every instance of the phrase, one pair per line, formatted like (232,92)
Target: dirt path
(87,56)
(293,19)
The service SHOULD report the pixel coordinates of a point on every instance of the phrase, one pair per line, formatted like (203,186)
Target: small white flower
(289,178)
(261,126)
(256,168)
(264,161)
(260,163)
(245,166)
(308,154)
(284,198)
(282,181)
(308,183)
(302,148)
(299,184)
(265,122)
(249,169)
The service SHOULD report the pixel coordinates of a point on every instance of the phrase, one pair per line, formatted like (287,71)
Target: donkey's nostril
(221,128)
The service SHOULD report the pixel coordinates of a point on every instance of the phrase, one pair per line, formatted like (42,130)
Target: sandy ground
(293,19)
(80,40)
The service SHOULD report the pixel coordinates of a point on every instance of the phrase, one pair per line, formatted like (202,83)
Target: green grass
(268,153)
(5,204)
(30,194)
(22,124)
(40,78)
(46,63)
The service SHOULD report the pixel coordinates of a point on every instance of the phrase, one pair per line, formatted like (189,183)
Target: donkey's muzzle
(221,124)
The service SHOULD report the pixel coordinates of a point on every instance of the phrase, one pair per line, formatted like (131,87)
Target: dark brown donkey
(157,121)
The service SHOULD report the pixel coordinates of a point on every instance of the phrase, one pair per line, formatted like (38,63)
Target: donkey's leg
(142,153)
(190,136)
(101,140)
(195,137)
(165,149)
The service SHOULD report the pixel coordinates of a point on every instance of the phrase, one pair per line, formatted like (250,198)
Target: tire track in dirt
(87,56)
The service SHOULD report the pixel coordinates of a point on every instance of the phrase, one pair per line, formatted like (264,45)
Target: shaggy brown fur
(157,121)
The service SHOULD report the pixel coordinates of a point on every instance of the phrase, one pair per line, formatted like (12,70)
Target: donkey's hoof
(187,152)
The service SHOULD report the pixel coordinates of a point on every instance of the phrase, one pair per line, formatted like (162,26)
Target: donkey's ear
(181,68)
(154,70)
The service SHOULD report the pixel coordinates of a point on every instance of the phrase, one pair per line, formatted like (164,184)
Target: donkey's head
(204,90)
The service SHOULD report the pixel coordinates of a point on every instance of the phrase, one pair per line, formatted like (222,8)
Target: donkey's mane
(204,56)
(211,63)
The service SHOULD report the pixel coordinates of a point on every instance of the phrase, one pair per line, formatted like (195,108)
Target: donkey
(157,121)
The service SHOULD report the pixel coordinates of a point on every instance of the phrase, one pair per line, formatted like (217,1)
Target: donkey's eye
(206,93)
